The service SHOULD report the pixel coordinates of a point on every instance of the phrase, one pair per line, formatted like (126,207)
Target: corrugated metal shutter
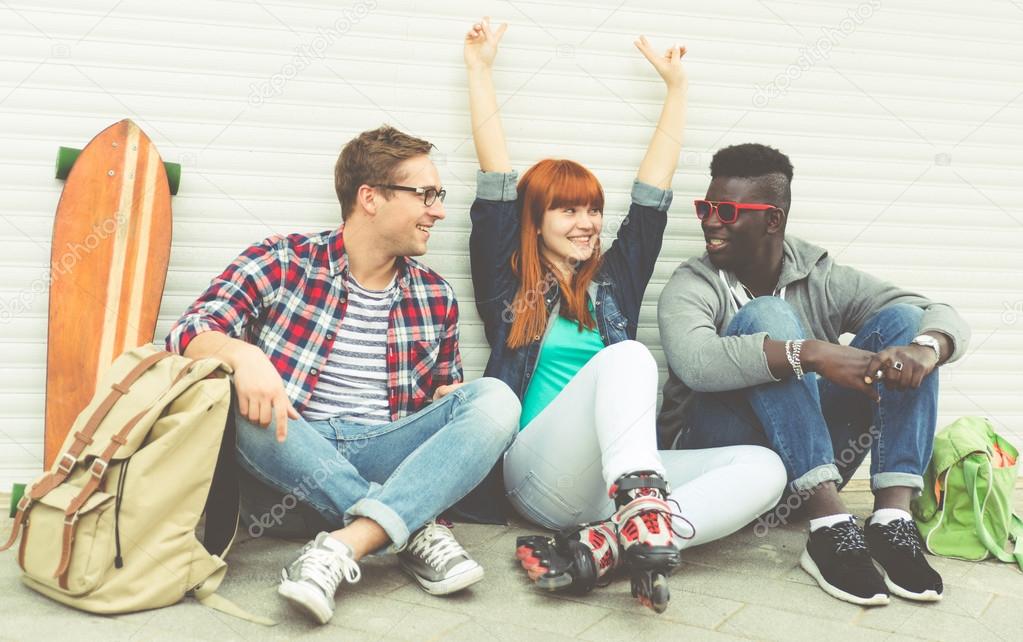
(903,120)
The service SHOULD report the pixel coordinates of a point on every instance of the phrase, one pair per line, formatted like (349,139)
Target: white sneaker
(311,581)
(438,562)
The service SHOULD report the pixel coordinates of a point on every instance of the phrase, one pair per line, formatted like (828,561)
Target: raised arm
(487,133)
(661,158)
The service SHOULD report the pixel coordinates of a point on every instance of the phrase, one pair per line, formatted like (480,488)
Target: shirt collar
(338,258)
(336,253)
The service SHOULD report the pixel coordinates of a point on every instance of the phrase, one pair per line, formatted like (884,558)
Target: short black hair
(768,166)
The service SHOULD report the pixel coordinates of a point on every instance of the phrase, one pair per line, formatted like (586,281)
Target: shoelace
(650,516)
(848,538)
(670,517)
(436,545)
(325,568)
(903,535)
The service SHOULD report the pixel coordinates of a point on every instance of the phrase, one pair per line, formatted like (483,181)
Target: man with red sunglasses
(750,331)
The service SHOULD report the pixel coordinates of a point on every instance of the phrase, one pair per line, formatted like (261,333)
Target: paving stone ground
(743,587)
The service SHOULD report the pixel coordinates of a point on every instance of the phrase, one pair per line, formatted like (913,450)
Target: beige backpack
(111,528)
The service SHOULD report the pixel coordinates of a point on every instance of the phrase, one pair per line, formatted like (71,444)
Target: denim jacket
(616,290)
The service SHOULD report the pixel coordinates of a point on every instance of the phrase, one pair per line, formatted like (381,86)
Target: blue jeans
(401,474)
(822,431)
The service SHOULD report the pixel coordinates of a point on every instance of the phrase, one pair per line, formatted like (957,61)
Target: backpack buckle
(98,474)
(69,520)
(68,460)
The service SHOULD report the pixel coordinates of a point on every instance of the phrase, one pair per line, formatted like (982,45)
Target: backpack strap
(941,481)
(971,473)
(206,593)
(97,471)
(83,438)
(1016,535)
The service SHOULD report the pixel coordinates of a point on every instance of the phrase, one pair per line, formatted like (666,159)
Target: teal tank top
(565,351)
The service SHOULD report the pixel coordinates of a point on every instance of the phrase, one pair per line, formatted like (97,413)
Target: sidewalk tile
(959,600)
(784,595)
(625,627)
(798,575)
(764,623)
(414,622)
(933,621)
(686,607)
(485,629)
(763,557)
(66,625)
(506,595)
(1002,617)
(991,575)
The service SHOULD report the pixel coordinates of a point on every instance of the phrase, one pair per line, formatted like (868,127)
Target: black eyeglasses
(430,194)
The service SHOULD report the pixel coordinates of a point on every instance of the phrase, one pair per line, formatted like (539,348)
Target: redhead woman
(561,318)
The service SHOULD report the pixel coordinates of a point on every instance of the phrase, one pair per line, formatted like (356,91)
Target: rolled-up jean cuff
(816,477)
(889,480)
(383,515)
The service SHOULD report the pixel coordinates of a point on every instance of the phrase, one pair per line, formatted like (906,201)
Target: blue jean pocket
(541,504)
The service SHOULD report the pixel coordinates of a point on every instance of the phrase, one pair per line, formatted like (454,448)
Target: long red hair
(551,184)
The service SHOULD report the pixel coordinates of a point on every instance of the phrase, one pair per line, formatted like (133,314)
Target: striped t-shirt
(353,383)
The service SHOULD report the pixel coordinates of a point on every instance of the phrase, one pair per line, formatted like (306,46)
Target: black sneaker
(898,548)
(837,557)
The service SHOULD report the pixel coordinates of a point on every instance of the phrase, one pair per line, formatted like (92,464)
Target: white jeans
(601,426)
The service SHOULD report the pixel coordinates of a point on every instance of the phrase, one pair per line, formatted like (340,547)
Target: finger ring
(897,365)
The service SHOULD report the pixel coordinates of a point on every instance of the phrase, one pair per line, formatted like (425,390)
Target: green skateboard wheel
(16,492)
(66,157)
(173,176)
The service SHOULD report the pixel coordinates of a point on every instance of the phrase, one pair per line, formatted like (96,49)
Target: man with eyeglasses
(751,334)
(348,347)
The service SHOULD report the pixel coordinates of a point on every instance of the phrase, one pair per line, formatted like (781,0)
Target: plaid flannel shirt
(287,296)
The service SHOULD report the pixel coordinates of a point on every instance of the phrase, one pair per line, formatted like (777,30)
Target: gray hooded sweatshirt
(696,306)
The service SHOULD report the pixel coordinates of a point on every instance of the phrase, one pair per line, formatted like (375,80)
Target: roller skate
(645,534)
(573,561)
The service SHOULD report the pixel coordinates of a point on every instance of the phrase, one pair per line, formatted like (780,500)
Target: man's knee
(493,398)
(251,438)
(899,318)
(768,314)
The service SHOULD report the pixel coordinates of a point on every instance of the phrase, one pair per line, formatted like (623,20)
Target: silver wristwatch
(930,342)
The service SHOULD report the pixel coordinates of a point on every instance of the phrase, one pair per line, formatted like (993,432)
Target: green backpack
(966,509)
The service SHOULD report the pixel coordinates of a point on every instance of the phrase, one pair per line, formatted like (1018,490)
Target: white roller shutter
(904,121)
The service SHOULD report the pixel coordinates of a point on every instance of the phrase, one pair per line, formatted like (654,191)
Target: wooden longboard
(111,245)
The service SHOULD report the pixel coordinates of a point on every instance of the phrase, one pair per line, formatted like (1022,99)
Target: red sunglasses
(727,211)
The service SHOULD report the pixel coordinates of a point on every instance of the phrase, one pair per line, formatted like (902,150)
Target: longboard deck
(111,246)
